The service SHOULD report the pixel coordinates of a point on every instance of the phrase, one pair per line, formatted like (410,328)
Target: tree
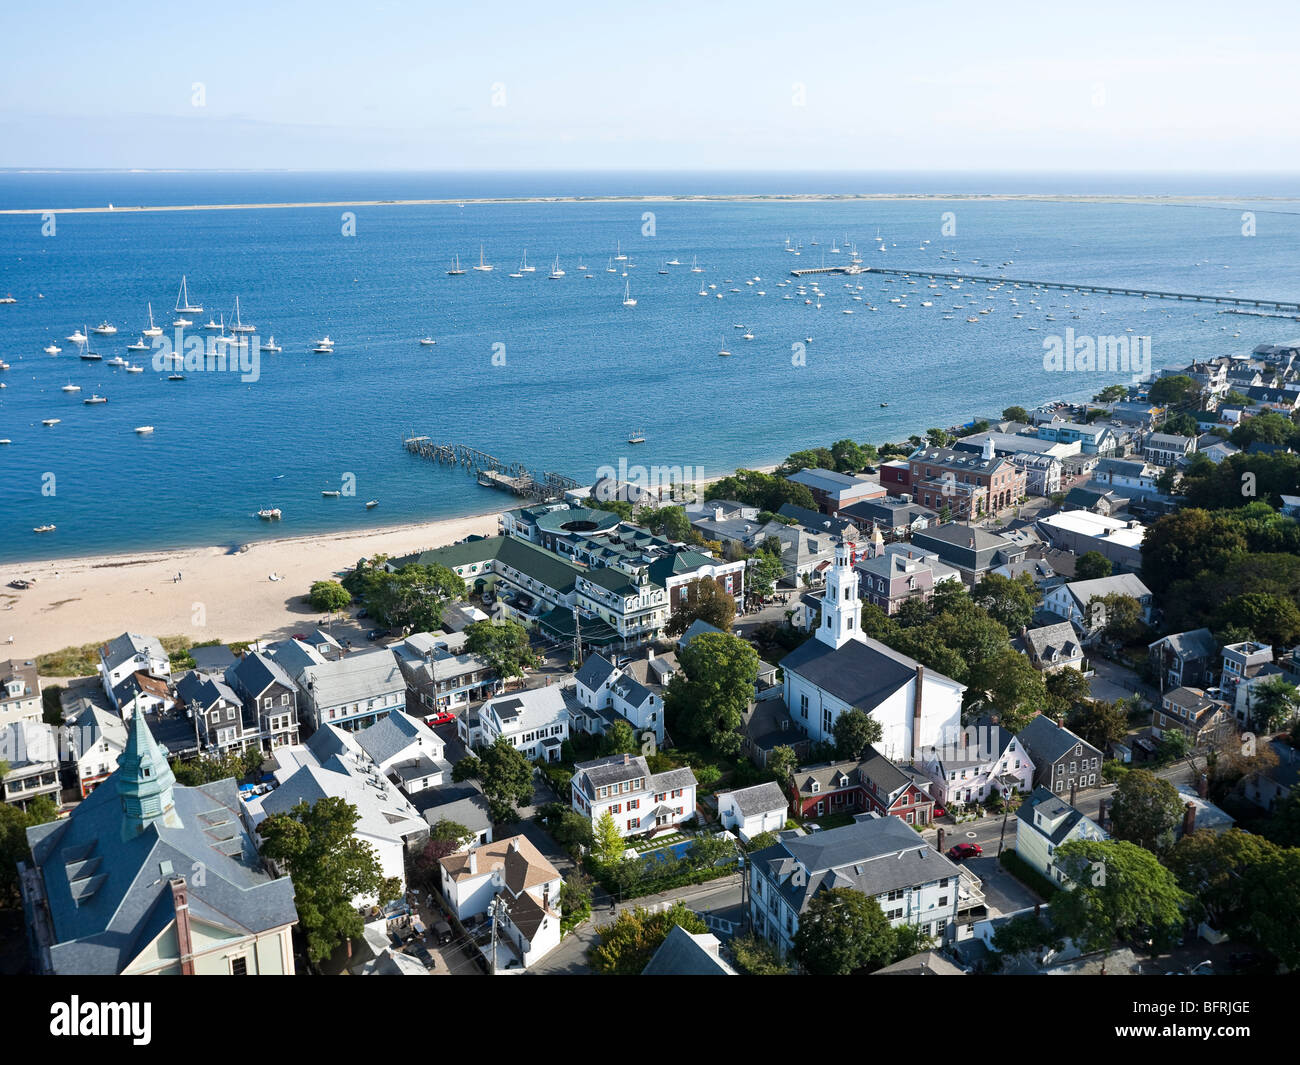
(708,698)
(330,868)
(572,831)
(782,762)
(765,569)
(1099,722)
(413,597)
(670,521)
(1067,691)
(761,842)
(619,739)
(607,843)
(910,939)
(843,931)
(575,894)
(937,437)
(1273,887)
(1273,703)
(13,849)
(1229,763)
(1270,618)
(627,945)
(445,838)
(1176,390)
(1015,414)
(328,596)
(1121,892)
(848,456)
(1283,828)
(1187,542)
(702,600)
(1091,566)
(1118,617)
(1173,745)
(757,957)
(1111,394)
(1010,602)
(816,458)
(468,768)
(854,731)
(1209,867)
(506,778)
(41,811)
(1028,933)
(445,831)
(505,646)
(1009,685)
(1145,810)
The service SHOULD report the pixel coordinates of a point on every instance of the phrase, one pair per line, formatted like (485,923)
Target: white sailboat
(483,265)
(271,345)
(183,305)
(524,267)
(628,301)
(455,270)
(618,252)
(240,327)
(153,330)
(696,268)
(556,273)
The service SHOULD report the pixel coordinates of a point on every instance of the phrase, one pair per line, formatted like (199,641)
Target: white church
(840,667)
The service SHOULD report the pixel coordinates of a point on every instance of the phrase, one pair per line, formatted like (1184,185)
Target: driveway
(1111,681)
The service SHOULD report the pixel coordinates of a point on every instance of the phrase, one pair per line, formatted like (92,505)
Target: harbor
(492,472)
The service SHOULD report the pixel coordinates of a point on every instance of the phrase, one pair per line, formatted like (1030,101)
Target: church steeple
(144,782)
(841,605)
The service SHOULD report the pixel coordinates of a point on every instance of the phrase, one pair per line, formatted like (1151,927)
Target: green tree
(910,939)
(619,739)
(843,931)
(1015,414)
(1145,810)
(816,458)
(1209,867)
(1273,887)
(708,698)
(41,811)
(575,894)
(757,957)
(1272,619)
(849,457)
(328,596)
(1111,394)
(1099,722)
(938,437)
(607,843)
(1011,686)
(854,732)
(669,521)
(761,842)
(764,571)
(627,945)
(505,646)
(1283,828)
(446,831)
(782,762)
(702,600)
(1091,566)
(572,831)
(1120,616)
(1173,746)
(1121,893)
(468,768)
(413,597)
(1010,602)
(506,778)
(1273,703)
(1026,934)
(1177,390)
(330,868)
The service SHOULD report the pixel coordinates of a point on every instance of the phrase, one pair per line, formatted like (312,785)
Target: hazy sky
(692,85)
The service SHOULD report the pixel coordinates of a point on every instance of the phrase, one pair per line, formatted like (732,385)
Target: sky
(867,86)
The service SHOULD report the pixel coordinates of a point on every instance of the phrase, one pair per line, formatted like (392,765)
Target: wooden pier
(1063,286)
(491,471)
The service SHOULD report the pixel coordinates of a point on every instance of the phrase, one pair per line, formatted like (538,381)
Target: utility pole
(496,910)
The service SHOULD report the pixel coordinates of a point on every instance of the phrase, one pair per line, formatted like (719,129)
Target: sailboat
(153,330)
(696,268)
(455,270)
(637,437)
(524,267)
(183,300)
(628,301)
(610,268)
(556,273)
(663,269)
(240,327)
(618,252)
(271,345)
(483,265)
(89,356)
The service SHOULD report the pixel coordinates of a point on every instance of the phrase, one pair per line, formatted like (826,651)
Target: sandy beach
(221,595)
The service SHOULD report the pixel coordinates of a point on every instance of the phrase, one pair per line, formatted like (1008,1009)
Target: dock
(490,471)
(1063,286)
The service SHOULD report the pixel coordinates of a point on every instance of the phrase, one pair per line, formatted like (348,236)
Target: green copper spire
(144,782)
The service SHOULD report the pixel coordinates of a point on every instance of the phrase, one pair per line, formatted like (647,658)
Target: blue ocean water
(580,370)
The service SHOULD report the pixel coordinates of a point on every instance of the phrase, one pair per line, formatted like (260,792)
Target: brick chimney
(184,939)
(1101,812)
(627,759)
(1203,786)
(940,840)
(1189,818)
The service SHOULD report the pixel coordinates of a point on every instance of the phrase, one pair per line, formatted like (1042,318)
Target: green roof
(678,562)
(614,580)
(454,555)
(559,623)
(527,558)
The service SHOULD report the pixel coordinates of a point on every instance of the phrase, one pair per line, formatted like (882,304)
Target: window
(943,900)
(803,705)
(677,811)
(230,715)
(1060,768)
(661,796)
(1073,767)
(821,808)
(617,808)
(239,966)
(677,794)
(634,804)
(266,703)
(1078,749)
(284,699)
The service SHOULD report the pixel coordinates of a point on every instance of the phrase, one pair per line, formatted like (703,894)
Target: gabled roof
(521,864)
(684,954)
(1046,639)
(879,770)
(124,648)
(863,673)
(391,735)
(1118,584)
(1055,809)
(358,676)
(594,672)
(256,672)
(759,799)
(632,691)
(1048,742)
(1198,643)
(614,769)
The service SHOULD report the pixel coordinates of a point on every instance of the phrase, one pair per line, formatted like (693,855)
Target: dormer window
(816,786)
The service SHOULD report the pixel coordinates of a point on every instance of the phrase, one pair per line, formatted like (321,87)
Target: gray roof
(355,677)
(760,799)
(863,673)
(1060,638)
(683,954)
(1118,584)
(1048,742)
(594,672)
(879,770)
(1053,806)
(104,926)
(1198,643)
(873,855)
(94,724)
(391,735)
(256,672)
(673,778)
(614,769)
(206,689)
(632,691)
(122,649)
(927,963)
(697,627)
(214,658)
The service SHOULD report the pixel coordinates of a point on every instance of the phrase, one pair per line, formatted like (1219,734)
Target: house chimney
(1189,819)
(184,939)
(650,654)
(916,710)
(1074,786)
(514,844)
(473,864)
(1203,786)
(940,841)
(627,759)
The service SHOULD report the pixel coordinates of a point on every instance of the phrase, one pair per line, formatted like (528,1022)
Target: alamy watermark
(198,354)
(1099,354)
(682,484)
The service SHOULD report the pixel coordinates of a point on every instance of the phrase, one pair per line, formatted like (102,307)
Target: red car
(446,717)
(939,811)
(965,850)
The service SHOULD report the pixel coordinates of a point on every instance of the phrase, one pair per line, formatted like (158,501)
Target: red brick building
(969,485)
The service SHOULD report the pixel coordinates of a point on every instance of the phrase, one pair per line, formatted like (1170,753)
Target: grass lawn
(645,846)
(829,821)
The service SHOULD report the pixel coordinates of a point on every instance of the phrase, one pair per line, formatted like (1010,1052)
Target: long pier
(491,471)
(1064,286)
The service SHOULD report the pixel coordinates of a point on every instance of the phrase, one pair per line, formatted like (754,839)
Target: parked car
(363,613)
(421,952)
(376,634)
(443,717)
(965,850)
(939,811)
(442,932)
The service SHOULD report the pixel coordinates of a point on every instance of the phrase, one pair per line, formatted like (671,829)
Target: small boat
(269,514)
(371,504)
(117,360)
(240,327)
(455,270)
(427,342)
(637,437)
(182,321)
(330,493)
(144,430)
(134,369)
(183,305)
(87,355)
(139,345)
(749,334)
(175,377)
(524,268)
(94,397)
(8,298)
(216,326)
(483,264)
(884,404)
(43,528)
(628,301)
(674,262)
(105,329)
(271,346)
(807,340)
(556,273)
(70,387)
(618,252)
(78,337)
(153,330)
(51,421)
(324,346)
(724,353)
(4,441)
(696,268)
(53,349)
(662,268)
